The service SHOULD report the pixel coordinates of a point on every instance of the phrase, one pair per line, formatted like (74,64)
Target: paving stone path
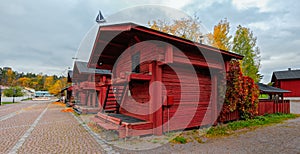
(41,127)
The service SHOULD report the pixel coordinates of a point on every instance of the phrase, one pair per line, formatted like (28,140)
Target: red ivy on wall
(241,94)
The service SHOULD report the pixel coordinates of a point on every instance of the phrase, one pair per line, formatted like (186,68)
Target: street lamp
(0,85)
(14,93)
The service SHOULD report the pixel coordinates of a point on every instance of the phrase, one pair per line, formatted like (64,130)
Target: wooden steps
(106,125)
(123,124)
(114,97)
(85,109)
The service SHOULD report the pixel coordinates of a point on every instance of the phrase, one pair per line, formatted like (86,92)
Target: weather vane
(100,18)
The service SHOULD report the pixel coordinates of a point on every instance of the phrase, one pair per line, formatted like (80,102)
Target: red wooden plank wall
(291,85)
(148,52)
(192,111)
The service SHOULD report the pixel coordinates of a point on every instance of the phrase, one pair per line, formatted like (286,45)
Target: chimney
(201,39)
(289,69)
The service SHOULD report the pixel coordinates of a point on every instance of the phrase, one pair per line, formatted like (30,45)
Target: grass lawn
(263,96)
(3,103)
(229,128)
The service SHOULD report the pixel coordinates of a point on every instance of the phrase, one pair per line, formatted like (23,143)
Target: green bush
(13,91)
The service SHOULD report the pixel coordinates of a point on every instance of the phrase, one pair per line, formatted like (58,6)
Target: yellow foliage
(186,28)
(24,81)
(10,77)
(56,88)
(220,37)
(48,82)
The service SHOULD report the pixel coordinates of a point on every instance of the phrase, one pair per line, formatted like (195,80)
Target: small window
(135,62)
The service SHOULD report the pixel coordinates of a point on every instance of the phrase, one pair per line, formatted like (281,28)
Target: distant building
(42,95)
(288,80)
(28,92)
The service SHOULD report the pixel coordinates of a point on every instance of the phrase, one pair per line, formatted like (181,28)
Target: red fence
(269,107)
(264,107)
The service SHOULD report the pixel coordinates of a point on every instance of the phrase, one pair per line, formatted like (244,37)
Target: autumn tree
(56,88)
(220,37)
(64,81)
(244,43)
(40,82)
(188,28)
(24,82)
(49,81)
(34,84)
(10,77)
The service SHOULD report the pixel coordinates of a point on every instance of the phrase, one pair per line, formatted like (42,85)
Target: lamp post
(14,92)
(0,85)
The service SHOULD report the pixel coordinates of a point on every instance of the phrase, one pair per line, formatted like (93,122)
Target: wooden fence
(264,107)
(269,107)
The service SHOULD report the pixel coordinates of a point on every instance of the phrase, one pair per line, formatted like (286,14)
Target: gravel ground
(280,138)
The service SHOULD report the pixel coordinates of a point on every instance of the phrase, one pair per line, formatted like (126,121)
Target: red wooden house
(86,90)
(289,80)
(159,82)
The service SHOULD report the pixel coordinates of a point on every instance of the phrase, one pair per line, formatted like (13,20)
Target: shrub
(241,94)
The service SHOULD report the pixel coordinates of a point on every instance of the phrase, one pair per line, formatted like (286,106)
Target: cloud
(170,3)
(262,5)
(43,36)
(260,25)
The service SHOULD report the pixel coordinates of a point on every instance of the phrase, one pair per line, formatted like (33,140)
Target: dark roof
(82,68)
(269,89)
(285,75)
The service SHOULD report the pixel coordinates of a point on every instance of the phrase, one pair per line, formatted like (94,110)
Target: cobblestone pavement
(11,108)
(41,127)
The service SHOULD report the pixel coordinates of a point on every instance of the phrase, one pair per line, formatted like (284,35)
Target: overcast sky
(43,36)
